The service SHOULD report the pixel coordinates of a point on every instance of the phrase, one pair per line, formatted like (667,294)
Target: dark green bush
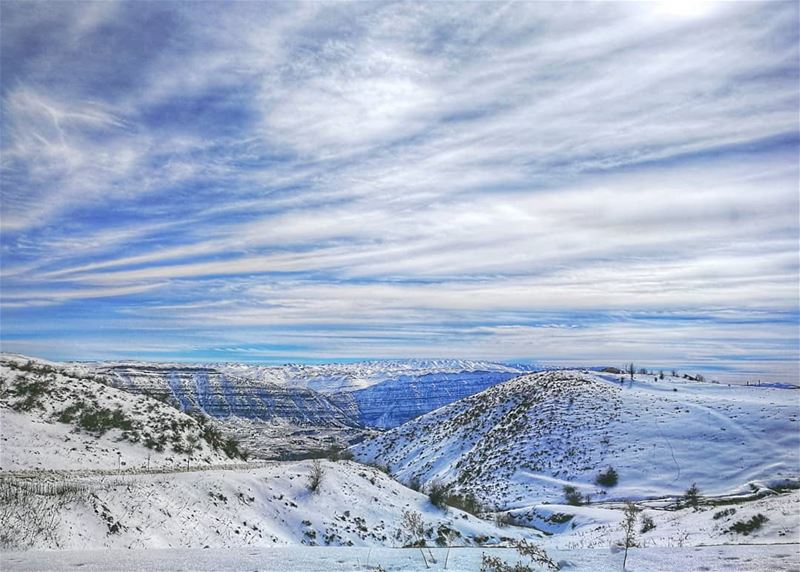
(573,496)
(68,415)
(30,392)
(231,448)
(723,513)
(747,526)
(647,524)
(100,420)
(692,496)
(437,493)
(559,518)
(467,503)
(607,478)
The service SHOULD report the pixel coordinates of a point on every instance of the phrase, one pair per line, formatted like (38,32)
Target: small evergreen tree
(573,496)
(607,478)
(692,496)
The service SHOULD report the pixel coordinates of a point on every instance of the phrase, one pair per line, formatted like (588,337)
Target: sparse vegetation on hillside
(30,512)
(443,496)
(92,406)
(29,393)
(512,428)
(217,440)
(745,527)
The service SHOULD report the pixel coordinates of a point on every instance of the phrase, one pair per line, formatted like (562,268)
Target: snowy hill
(57,417)
(523,441)
(269,505)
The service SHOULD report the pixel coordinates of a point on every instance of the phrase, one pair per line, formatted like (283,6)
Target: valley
(130,457)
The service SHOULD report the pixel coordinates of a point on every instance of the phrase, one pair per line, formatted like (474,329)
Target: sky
(571,183)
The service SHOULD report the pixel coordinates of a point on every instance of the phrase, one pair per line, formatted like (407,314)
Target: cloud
(403,179)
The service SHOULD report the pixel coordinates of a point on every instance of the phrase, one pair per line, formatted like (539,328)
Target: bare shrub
(536,555)
(412,532)
(316,476)
(648,524)
(503,519)
(30,512)
(629,528)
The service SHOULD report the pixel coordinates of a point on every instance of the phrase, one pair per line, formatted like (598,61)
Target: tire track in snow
(671,451)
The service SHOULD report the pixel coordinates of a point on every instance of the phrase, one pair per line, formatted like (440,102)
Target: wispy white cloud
(382,167)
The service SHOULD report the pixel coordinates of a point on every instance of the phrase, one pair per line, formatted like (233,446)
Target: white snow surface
(269,504)
(776,558)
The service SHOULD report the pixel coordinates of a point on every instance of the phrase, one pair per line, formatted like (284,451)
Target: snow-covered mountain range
(288,411)
(369,394)
(341,377)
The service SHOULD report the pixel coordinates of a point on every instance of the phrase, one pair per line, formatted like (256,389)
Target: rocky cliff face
(222,395)
(395,401)
(387,398)
(344,377)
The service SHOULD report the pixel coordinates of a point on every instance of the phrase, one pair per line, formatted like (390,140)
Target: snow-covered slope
(56,417)
(521,442)
(270,505)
